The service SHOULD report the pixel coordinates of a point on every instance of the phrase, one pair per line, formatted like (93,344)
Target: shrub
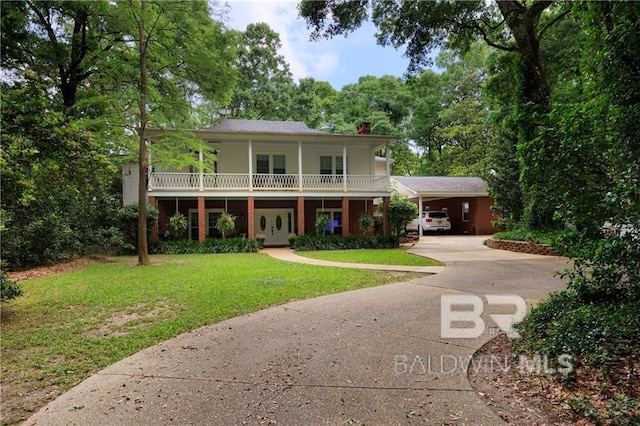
(348,242)
(178,223)
(128,218)
(366,223)
(210,245)
(401,211)
(8,289)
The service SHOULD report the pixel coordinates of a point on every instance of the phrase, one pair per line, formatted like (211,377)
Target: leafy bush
(602,331)
(347,242)
(178,223)
(128,218)
(8,289)
(210,245)
(401,211)
(536,237)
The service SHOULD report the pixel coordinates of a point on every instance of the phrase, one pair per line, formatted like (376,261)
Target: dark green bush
(601,331)
(210,245)
(128,219)
(8,289)
(348,242)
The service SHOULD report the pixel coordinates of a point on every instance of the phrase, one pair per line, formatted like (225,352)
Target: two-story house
(275,177)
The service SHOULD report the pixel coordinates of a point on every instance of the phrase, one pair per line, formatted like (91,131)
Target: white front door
(275,224)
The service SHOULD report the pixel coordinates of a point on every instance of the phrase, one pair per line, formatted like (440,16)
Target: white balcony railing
(265,182)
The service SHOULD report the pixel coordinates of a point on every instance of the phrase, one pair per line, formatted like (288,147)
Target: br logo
(458,311)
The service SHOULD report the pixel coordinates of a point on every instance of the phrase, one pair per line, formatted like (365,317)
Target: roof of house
(442,184)
(263,126)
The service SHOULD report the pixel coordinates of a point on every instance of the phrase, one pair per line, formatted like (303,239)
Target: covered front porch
(274,219)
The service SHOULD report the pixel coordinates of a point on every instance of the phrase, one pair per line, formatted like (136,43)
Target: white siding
(130,183)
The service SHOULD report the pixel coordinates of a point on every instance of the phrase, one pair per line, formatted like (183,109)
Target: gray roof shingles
(263,127)
(441,184)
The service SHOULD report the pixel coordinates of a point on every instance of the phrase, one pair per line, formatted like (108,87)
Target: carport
(466,200)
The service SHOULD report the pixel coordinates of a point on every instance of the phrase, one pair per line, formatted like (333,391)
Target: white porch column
(250,165)
(387,156)
(344,166)
(300,166)
(419,216)
(201,176)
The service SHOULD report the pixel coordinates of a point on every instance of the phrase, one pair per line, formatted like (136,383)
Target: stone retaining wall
(521,247)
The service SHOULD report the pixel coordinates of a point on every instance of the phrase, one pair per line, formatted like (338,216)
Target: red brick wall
(521,247)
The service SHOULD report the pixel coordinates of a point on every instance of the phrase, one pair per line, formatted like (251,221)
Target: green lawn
(68,326)
(397,256)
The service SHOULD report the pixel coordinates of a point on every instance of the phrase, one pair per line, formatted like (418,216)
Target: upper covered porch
(272,157)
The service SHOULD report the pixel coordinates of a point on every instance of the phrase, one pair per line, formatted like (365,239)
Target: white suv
(431,221)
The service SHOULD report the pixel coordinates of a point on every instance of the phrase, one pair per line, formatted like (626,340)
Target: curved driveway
(371,356)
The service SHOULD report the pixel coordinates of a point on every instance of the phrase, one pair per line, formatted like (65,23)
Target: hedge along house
(465,199)
(275,177)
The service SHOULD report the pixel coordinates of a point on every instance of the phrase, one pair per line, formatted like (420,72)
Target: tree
(264,80)
(510,26)
(176,46)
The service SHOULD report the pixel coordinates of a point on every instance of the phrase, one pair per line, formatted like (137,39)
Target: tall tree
(176,45)
(265,83)
(512,26)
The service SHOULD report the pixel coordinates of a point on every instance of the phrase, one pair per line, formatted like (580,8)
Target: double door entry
(275,225)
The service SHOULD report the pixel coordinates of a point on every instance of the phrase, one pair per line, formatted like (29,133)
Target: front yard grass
(68,326)
(397,256)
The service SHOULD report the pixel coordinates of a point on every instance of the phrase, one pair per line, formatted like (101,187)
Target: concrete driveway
(372,356)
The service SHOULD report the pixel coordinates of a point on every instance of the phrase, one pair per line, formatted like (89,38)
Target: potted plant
(226,224)
(178,223)
(321,224)
(260,239)
(366,223)
(292,240)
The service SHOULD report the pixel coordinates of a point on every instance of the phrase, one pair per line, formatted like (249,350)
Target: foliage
(321,223)
(226,224)
(210,245)
(366,222)
(347,242)
(8,289)
(178,223)
(536,237)
(401,212)
(59,185)
(128,220)
(265,83)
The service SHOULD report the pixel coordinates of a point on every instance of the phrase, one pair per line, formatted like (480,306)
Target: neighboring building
(465,199)
(276,177)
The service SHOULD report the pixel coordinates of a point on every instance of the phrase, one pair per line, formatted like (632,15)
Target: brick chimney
(364,128)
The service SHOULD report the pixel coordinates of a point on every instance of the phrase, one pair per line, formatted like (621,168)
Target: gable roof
(432,185)
(263,127)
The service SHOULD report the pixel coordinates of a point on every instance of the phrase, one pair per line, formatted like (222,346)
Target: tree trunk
(143,247)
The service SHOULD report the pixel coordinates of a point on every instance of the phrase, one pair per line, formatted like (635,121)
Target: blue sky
(340,61)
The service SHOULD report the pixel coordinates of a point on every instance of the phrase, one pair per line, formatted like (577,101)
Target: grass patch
(68,326)
(398,256)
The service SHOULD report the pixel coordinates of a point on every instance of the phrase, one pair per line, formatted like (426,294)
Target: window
(334,226)
(330,165)
(339,166)
(211,218)
(326,167)
(262,163)
(279,167)
(465,211)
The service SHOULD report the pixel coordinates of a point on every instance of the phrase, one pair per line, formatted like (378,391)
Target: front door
(275,224)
